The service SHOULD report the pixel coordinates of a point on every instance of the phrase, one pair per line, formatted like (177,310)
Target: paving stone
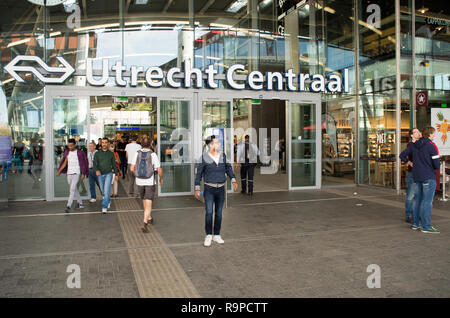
(302,248)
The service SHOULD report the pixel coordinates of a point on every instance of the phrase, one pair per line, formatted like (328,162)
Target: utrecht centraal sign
(189,77)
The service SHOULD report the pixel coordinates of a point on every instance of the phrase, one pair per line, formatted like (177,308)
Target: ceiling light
(218,25)
(265,3)
(236,6)
(8,80)
(99,26)
(18,42)
(32,99)
(423,10)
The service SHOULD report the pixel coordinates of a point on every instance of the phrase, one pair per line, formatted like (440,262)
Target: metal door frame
(82,92)
(318,140)
(49,96)
(177,97)
(210,96)
(195,96)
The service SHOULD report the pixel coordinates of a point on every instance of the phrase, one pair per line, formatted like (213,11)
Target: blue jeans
(105,185)
(409,203)
(213,196)
(423,197)
(93,180)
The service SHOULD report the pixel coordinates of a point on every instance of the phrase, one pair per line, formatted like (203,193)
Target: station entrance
(284,126)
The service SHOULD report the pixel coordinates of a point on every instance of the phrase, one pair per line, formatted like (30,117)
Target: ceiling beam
(166,7)
(229,6)
(145,16)
(85,9)
(25,18)
(206,6)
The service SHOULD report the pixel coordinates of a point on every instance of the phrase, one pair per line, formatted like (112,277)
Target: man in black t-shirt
(247,158)
(99,144)
(122,155)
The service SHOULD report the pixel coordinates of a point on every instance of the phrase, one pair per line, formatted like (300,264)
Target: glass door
(217,120)
(70,120)
(175,145)
(304,142)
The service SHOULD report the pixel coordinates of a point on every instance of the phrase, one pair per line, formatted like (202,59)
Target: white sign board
(440,120)
(154,76)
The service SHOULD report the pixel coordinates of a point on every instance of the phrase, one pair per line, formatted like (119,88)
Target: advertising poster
(5,143)
(122,103)
(440,120)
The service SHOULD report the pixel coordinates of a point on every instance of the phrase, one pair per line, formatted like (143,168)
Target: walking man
(75,164)
(18,155)
(143,166)
(105,166)
(99,144)
(131,150)
(122,155)
(410,184)
(93,180)
(426,161)
(247,156)
(213,168)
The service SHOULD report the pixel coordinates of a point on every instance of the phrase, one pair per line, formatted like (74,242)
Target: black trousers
(247,172)
(123,163)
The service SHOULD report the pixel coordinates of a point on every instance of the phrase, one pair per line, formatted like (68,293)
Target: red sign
(381,138)
(422,98)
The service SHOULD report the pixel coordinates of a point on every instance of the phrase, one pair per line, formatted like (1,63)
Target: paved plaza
(277,244)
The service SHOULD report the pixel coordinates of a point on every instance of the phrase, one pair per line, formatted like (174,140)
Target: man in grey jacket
(247,158)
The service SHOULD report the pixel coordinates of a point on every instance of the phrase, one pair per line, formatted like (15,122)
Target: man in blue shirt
(213,168)
(410,185)
(425,161)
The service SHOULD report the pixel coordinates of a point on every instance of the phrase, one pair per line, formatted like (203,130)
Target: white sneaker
(104,210)
(109,206)
(218,239)
(92,200)
(208,240)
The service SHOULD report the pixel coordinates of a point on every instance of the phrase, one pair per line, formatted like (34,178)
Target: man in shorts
(130,152)
(144,170)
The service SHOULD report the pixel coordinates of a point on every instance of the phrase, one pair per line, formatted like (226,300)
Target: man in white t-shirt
(146,185)
(131,149)
(75,164)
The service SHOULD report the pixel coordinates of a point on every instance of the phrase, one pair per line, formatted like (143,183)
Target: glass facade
(392,49)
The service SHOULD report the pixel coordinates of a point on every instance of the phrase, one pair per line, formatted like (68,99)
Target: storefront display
(341,161)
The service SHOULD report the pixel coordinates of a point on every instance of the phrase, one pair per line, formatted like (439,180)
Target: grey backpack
(144,166)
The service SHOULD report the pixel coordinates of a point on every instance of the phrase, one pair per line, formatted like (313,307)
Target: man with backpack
(143,166)
(130,152)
